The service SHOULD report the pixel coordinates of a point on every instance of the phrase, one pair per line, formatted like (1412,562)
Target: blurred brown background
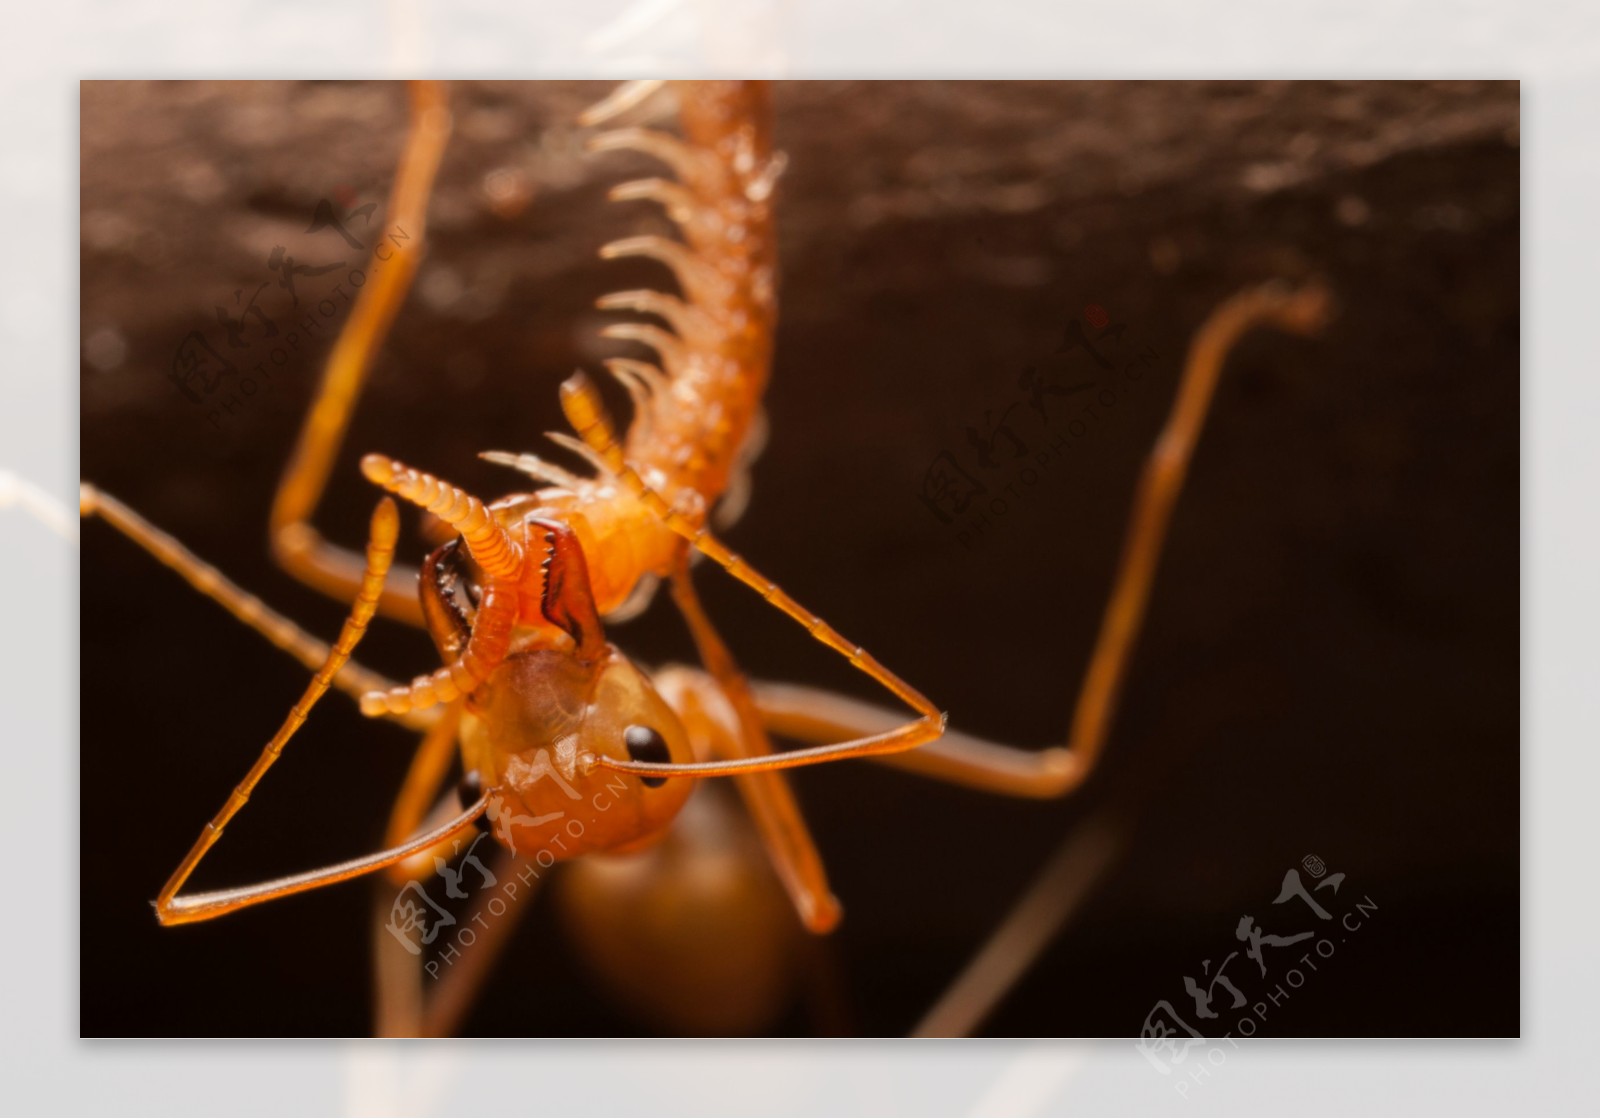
(1331,661)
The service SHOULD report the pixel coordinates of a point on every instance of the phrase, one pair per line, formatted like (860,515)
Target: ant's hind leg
(296,544)
(407,1003)
(1038,917)
(413,1002)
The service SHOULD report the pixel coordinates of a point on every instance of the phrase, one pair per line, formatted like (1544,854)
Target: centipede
(543,747)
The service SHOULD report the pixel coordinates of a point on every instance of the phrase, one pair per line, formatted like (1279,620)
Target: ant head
(562,696)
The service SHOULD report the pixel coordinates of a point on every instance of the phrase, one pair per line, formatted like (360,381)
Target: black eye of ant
(645,745)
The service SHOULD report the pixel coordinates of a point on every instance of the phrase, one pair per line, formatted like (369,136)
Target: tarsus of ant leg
(1072,872)
(352,679)
(298,546)
(587,414)
(172,909)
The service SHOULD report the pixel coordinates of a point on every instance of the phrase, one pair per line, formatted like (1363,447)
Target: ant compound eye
(646,745)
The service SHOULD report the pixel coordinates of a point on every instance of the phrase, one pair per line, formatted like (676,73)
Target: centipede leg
(298,547)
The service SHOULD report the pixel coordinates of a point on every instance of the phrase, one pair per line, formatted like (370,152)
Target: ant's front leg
(352,679)
(296,544)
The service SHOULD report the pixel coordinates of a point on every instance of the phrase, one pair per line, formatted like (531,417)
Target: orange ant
(550,717)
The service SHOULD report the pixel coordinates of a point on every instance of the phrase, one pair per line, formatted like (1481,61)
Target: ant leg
(1083,857)
(811,714)
(188,908)
(816,715)
(404,1008)
(455,993)
(352,679)
(298,547)
(397,980)
(586,412)
(173,909)
(425,777)
(732,725)
(1056,893)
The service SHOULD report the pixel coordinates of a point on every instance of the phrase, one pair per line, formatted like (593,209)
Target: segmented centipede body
(695,414)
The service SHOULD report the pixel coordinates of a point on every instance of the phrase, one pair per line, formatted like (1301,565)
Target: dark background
(1330,664)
